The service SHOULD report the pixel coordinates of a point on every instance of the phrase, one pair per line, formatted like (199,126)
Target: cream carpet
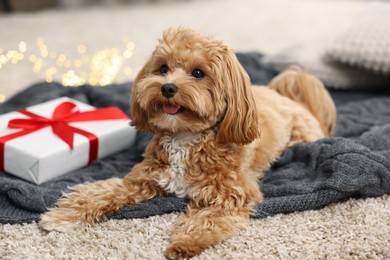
(355,229)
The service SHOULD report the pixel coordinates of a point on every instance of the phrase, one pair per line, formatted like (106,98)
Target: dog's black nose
(168,90)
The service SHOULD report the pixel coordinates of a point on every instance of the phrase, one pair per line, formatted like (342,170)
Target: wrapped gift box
(45,141)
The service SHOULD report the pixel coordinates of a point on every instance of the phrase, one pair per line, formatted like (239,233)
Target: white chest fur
(173,179)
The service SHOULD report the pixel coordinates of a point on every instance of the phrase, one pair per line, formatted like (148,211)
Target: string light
(127,71)
(82,49)
(22,47)
(99,68)
(70,78)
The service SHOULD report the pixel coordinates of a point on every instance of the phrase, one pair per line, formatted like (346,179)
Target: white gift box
(41,155)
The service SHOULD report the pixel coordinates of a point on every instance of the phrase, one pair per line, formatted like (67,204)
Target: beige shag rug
(355,229)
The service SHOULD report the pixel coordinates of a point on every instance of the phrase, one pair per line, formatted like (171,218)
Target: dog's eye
(197,73)
(164,69)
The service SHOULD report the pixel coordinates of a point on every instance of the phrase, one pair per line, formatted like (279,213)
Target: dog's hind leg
(309,91)
(305,130)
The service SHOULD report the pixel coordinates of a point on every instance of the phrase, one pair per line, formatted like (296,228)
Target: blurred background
(79,42)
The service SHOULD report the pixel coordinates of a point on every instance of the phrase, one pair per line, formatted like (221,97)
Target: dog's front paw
(55,220)
(183,250)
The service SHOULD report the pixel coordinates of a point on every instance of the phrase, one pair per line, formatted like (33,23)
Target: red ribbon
(64,114)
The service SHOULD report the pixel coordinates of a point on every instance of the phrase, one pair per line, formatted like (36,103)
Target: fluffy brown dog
(214,136)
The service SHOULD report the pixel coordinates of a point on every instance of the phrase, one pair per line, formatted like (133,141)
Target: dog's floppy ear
(139,117)
(240,123)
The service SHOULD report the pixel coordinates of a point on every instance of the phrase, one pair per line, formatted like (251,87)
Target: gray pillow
(312,57)
(358,58)
(366,44)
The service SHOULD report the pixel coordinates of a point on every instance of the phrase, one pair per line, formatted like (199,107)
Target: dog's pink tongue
(171,108)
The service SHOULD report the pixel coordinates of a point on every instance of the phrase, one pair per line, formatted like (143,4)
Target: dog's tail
(307,90)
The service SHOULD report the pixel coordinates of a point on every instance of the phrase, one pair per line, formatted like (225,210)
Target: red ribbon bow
(64,114)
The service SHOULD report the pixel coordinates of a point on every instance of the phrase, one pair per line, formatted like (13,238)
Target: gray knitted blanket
(356,163)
